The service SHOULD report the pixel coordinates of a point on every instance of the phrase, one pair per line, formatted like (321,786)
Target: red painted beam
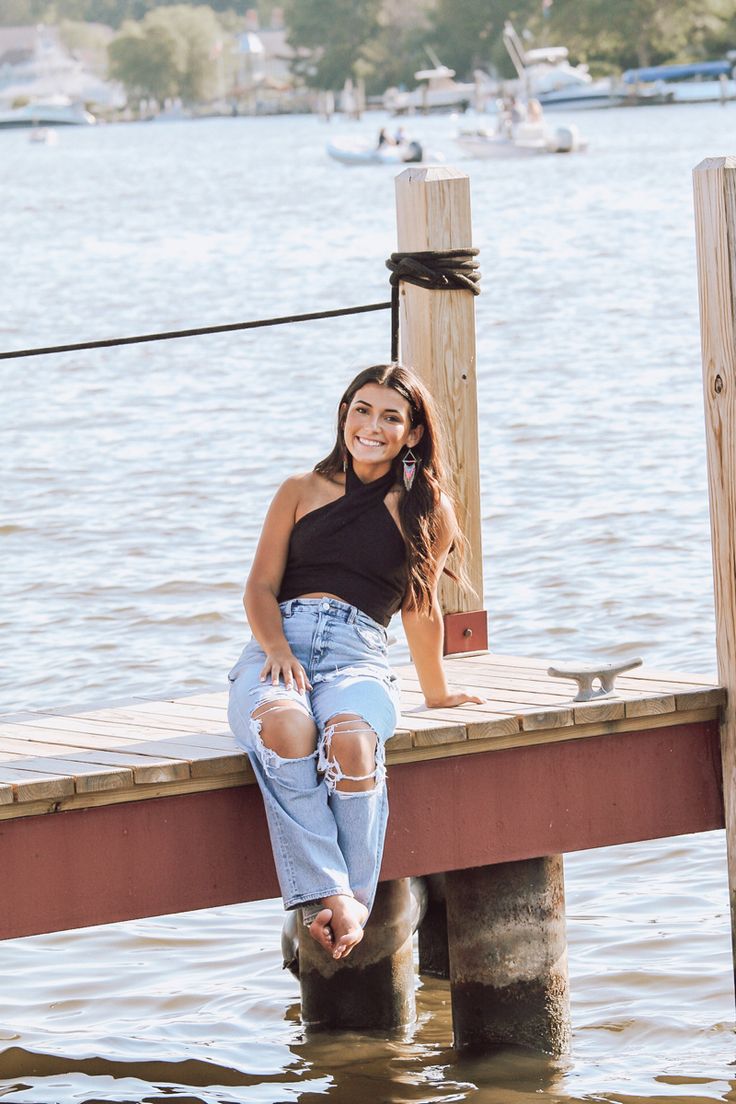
(547,799)
(172,854)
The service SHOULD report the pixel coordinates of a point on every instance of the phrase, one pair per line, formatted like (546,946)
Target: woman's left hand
(453,698)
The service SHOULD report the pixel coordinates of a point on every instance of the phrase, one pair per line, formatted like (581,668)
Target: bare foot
(347,920)
(321,930)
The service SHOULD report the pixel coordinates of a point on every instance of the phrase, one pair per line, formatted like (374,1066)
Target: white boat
(546,75)
(700,82)
(57,111)
(439,91)
(353,151)
(528,137)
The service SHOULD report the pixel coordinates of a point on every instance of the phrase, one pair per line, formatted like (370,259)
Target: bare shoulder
(294,484)
(290,490)
(310,490)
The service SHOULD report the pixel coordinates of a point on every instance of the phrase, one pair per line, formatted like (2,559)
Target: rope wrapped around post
(436,269)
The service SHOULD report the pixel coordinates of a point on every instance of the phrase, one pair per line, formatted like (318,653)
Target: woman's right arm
(262,587)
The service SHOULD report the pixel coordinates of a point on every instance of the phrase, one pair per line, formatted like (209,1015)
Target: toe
(321,931)
(346,942)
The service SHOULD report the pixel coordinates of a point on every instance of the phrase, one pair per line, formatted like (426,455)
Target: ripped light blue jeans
(325,840)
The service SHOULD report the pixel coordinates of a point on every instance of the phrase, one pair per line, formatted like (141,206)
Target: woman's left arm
(425,631)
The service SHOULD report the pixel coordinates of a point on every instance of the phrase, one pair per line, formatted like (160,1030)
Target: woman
(313,700)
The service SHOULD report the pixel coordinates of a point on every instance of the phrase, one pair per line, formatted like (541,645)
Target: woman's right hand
(281,663)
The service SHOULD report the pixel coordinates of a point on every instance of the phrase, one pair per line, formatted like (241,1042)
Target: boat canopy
(710,69)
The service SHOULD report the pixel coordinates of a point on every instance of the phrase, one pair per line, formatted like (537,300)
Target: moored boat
(354,151)
(525,139)
(546,75)
(700,82)
(439,91)
(47,113)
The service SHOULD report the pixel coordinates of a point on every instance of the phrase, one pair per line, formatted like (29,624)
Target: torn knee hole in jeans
(328,765)
(271,759)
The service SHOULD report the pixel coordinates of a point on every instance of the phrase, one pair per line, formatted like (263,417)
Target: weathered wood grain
(438,341)
(714,183)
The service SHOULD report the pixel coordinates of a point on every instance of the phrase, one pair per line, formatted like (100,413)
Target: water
(133,485)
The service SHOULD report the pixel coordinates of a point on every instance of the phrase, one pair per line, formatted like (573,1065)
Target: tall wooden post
(714,182)
(438,341)
(505,924)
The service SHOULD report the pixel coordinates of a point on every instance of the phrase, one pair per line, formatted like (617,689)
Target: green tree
(632,33)
(18,13)
(146,61)
(467,36)
(396,50)
(335,33)
(112,12)
(199,37)
(171,52)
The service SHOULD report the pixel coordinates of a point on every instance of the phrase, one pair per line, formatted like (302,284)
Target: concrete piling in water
(508,960)
(373,988)
(433,954)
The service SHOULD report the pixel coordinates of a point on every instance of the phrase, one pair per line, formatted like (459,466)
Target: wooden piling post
(508,956)
(530,991)
(373,988)
(438,341)
(714,182)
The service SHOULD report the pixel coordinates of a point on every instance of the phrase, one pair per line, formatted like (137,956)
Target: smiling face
(377,428)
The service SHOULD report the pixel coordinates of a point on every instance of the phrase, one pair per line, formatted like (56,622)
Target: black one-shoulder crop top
(352,548)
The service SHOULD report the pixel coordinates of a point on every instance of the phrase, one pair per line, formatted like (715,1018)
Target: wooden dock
(148,807)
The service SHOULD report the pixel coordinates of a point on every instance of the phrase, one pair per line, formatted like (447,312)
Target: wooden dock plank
(87,777)
(541,665)
(144,768)
(121,732)
(150,721)
(173,745)
(648,706)
(488,674)
(149,762)
(31,785)
(184,710)
(602,709)
(401,739)
(700,699)
(548,716)
(180,744)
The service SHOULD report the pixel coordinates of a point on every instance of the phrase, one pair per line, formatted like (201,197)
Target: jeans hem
(310,898)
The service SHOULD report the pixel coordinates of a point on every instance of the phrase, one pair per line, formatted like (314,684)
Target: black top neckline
(351,547)
(357,490)
(354,484)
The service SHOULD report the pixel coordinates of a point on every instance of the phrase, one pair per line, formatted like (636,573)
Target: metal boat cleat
(586,676)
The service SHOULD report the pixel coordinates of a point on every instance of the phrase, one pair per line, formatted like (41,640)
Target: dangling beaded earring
(411,463)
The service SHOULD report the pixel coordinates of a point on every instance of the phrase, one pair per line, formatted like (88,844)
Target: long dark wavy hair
(419,509)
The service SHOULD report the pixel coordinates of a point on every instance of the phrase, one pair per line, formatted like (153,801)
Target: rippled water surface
(133,482)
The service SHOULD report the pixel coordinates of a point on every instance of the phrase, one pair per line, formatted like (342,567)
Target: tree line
(381,39)
(167,48)
(113,13)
